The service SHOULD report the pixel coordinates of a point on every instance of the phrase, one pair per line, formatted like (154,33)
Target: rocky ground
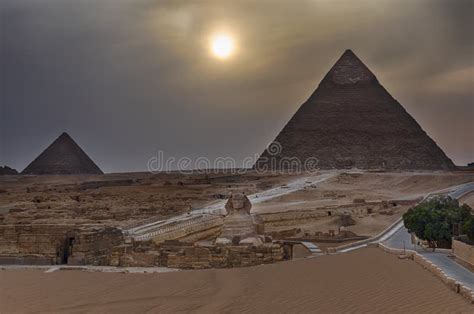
(389,194)
(117,199)
(122,199)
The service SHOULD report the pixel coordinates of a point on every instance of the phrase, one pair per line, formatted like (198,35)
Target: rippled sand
(367,280)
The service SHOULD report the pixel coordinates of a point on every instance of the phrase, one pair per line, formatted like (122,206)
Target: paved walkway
(462,190)
(402,239)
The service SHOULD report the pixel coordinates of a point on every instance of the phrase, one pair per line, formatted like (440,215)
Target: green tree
(433,220)
(469,229)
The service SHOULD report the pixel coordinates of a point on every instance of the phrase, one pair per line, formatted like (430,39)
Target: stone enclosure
(176,254)
(57,244)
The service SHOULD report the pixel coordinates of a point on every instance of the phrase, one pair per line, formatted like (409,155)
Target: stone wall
(210,233)
(176,254)
(463,252)
(93,247)
(49,244)
(296,217)
(196,229)
(192,229)
(35,244)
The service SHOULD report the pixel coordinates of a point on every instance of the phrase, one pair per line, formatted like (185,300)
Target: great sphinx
(239,226)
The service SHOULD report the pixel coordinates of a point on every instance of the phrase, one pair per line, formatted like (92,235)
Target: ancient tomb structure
(239,226)
(63,156)
(49,244)
(351,121)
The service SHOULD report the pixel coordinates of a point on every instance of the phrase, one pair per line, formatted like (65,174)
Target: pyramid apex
(349,70)
(65,138)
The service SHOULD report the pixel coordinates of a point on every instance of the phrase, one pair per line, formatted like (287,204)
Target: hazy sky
(128,78)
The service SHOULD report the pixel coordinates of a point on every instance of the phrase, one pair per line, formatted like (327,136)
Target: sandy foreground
(366,280)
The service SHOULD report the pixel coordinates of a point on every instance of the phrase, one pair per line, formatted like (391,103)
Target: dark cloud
(127,78)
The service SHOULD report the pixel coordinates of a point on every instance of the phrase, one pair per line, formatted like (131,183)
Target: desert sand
(366,280)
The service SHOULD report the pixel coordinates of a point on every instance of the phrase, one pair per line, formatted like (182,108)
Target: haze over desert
(208,156)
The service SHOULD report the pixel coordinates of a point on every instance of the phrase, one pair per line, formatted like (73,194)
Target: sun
(222,46)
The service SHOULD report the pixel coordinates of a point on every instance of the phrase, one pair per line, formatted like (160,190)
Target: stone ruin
(240,228)
(238,244)
(50,244)
(63,156)
(351,121)
(178,254)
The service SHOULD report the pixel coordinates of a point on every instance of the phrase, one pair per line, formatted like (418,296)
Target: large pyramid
(63,156)
(351,121)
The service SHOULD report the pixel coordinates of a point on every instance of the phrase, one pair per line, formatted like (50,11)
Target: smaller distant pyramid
(63,156)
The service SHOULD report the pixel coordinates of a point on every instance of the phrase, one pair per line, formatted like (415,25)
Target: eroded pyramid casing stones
(63,156)
(351,121)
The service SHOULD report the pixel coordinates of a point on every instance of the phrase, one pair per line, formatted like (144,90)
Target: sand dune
(367,280)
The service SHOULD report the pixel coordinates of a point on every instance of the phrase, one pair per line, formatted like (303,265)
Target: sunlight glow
(222,46)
